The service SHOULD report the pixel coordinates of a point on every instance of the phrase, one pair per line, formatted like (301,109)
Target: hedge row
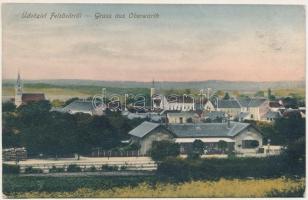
(183,169)
(13,183)
(10,169)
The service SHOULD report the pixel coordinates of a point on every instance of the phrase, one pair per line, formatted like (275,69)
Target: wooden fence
(98,152)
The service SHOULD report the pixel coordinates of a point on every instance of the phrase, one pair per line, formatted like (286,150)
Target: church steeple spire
(18,84)
(153,91)
(18,91)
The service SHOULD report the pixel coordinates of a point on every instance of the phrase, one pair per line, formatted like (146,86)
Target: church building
(22,98)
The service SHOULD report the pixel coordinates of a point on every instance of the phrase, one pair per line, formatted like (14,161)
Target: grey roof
(182,114)
(273,114)
(180,99)
(252,102)
(207,129)
(232,103)
(143,129)
(243,114)
(78,105)
(215,114)
(244,102)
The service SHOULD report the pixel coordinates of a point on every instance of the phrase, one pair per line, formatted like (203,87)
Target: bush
(294,192)
(91,169)
(174,169)
(73,168)
(10,169)
(31,170)
(162,149)
(109,168)
(269,167)
(54,169)
(197,150)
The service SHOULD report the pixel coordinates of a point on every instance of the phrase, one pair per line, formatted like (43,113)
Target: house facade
(180,103)
(148,132)
(231,107)
(256,108)
(182,117)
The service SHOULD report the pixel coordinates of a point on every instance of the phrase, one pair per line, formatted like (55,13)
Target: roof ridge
(231,129)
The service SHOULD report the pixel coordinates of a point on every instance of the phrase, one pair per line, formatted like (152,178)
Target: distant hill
(215,84)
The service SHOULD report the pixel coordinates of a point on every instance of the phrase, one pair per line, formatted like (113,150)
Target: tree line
(53,133)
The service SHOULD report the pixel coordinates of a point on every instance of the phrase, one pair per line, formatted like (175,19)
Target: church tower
(153,90)
(18,91)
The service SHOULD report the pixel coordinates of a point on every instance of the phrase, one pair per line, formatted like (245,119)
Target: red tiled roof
(29,97)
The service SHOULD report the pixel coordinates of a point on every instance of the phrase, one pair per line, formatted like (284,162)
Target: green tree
(222,145)
(8,107)
(227,96)
(292,130)
(197,149)
(57,103)
(259,94)
(163,149)
(269,95)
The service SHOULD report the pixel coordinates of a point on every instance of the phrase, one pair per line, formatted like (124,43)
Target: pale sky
(186,43)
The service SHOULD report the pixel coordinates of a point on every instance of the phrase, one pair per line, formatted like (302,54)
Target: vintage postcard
(103,100)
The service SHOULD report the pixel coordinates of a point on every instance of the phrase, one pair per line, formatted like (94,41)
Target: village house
(204,105)
(180,103)
(242,138)
(231,107)
(255,107)
(156,117)
(182,117)
(276,106)
(215,116)
(22,98)
(272,116)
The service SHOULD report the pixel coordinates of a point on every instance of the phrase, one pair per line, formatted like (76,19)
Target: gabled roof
(252,102)
(256,102)
(28,97)
(232,103)
(244,102)
(273,114)
(143,129)
(201,101)
(79,105)
(207,129)
(275,104)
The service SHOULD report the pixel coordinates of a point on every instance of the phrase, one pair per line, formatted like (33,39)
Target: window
(250,144)
(181,120)
(251,116)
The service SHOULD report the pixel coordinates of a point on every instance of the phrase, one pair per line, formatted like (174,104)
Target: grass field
(53,91)
(288,92)
(88,90)
(99,187)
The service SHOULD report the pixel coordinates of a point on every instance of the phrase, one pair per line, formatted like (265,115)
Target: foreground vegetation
(40,131)
(279,187)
